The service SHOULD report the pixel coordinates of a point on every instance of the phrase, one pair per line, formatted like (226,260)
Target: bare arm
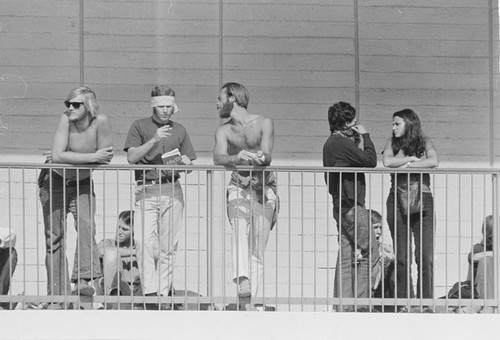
(122,252)
(221,157)
(104,132)
(60,154)
(478,256)
(267,142)
(432,160)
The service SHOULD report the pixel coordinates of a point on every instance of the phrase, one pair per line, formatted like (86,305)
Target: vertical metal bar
(327,238)
(315,248)
(277,228)
(302,241)
(496,238)
(339,255)
(210,235)
(473,279)
(186,211)
(223,229)
(485,199)
(9,195)
(459,231)
(446,237)
(289,242)
(198,238)
(37,237)
(24,238)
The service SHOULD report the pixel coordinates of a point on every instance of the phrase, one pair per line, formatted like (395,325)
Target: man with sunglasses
(82,137)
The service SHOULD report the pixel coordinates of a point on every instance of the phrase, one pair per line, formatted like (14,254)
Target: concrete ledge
(243,325)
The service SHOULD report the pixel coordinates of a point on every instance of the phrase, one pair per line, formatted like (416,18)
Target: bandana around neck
(164,101)
(348,133)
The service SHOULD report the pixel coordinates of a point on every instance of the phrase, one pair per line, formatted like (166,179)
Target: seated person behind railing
(481,266)
(8,261)
(384,247)
(383,285)
(119,261)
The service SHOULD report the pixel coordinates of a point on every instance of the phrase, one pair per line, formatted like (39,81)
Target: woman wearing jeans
(408,148)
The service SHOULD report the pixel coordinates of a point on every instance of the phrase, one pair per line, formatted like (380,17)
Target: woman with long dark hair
(409,148)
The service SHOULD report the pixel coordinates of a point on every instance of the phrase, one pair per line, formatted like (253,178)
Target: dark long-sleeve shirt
(340,151)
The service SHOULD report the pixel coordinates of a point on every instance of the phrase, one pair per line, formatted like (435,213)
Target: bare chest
(245,138)
(82,141)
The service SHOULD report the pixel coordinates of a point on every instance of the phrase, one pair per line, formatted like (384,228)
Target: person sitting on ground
(481,262)
(8,262)
(119,261)
(383,285)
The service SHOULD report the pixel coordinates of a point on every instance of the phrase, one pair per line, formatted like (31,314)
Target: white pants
(251,223)
(157,220)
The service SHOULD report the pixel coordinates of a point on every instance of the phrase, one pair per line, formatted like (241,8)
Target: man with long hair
(247,139)
(353,276)
(83,136)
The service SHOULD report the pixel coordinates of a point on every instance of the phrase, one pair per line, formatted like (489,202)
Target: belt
(163,180)
(70,182)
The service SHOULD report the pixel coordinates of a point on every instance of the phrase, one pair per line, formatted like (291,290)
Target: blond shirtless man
(82,137)
(252,201)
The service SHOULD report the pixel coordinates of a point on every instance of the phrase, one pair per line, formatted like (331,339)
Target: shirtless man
(247,139)
(82,137)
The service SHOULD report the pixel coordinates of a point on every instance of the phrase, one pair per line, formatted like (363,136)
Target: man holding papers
(159,200)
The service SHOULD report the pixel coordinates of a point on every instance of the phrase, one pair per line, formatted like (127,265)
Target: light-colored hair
(487,231)
(162,90)
(239,92)
(374,216)
(89,99)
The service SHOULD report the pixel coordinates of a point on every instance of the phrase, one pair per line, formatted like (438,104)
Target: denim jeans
(422,229)
(157,221)
(354,276)
(57,200)
(8,262)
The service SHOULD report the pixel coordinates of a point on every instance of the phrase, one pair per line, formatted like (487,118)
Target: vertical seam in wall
(82,54)
(221,46)
(356,58)
(491,82)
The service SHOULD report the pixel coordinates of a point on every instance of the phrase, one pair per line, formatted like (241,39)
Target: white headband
(164,101)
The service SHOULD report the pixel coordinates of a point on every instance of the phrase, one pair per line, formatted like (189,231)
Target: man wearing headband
(83,136)
(159,201)
(247,139)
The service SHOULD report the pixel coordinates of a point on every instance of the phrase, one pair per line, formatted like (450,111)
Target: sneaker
(244,289)
(83,288)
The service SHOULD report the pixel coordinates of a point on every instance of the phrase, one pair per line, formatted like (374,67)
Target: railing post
(496,239)
(210,195)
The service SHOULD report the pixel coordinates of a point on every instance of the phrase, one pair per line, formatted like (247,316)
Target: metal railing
(300,258)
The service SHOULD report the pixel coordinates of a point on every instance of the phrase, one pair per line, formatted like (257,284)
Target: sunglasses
(75,105)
